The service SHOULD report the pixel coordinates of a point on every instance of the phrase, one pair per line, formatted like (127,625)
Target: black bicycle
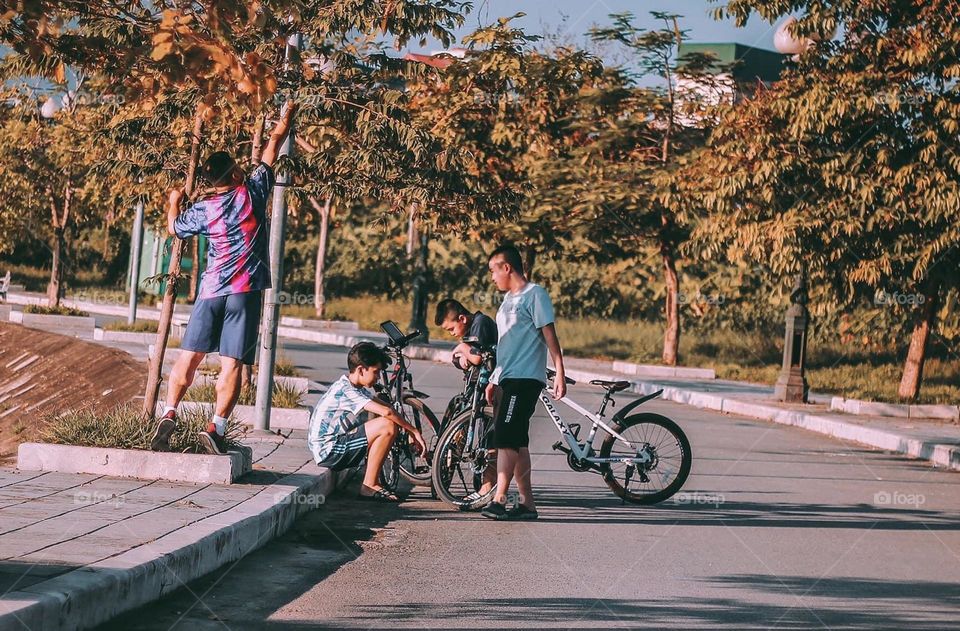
(644,458)
(462,454)
(396,387)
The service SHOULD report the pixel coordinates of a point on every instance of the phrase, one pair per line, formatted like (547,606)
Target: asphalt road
(775,528)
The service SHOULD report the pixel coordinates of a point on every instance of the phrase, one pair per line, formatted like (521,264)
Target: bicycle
(396,387)
(656,456)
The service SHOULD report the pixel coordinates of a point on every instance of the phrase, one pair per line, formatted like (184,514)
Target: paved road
(777,528)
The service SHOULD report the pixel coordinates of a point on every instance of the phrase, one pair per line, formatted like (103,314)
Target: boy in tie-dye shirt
(226,315)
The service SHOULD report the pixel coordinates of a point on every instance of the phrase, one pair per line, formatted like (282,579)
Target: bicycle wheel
(665,474)
(415,468)
(455,473)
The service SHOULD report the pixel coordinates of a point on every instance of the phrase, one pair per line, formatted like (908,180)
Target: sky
(573,18)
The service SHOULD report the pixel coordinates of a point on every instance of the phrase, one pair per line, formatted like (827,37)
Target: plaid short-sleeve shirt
(339,411)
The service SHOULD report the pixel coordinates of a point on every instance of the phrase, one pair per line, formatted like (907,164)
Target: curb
(93,594)
(872,408)
(944,455)
(135,463)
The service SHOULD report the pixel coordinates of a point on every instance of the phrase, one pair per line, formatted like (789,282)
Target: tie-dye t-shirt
(234,223)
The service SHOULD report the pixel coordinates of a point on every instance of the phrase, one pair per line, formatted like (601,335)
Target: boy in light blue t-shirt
(526,330)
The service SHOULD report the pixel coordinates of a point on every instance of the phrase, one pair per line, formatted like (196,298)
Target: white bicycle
(644,458)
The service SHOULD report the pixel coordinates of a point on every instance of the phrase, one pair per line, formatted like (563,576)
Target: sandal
(380,495)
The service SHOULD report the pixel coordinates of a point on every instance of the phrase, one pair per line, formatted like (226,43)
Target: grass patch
(140,326)
(285,368)
(284,395)
(57,311)
(123,427)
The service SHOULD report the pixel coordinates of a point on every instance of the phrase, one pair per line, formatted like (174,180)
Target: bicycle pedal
(559,446)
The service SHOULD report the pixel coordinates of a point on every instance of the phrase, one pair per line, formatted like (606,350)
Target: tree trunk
(246,376)
(56,269)
(257,141)
(917,354)
(59,223)
(194,269)
(170,295)
(531,259)
(671,337)
(319,301)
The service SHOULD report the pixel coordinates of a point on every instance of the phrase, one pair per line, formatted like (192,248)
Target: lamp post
(271,308)
(792,384)
(135,251)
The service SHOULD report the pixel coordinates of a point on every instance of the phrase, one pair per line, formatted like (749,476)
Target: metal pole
(271,309)
(135,253)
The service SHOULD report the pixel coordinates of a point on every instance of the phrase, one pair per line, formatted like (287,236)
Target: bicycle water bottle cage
(575,430)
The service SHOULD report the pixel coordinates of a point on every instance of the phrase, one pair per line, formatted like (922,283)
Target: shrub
(59,311)
(123,427)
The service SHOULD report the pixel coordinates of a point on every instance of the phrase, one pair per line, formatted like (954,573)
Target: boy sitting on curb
(348,423)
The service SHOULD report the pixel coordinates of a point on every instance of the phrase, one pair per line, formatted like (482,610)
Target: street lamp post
(271,308)
(792,384)
(135,251)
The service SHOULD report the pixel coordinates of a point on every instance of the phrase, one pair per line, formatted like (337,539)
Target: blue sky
(548,16)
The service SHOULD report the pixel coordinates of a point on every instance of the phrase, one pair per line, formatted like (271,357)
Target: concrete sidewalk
(76,549)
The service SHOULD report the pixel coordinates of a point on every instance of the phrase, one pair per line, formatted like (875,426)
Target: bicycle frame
(584,452)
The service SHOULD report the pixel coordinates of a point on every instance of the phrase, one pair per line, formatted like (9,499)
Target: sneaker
(495,510)
(166,425)
(522,513)
(213,442)
(468,501)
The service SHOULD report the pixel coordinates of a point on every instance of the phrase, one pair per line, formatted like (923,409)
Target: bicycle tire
(680,441)
(449,455)
(413,469)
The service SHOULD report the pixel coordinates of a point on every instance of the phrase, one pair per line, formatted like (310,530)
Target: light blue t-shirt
(339,411)
(521,349)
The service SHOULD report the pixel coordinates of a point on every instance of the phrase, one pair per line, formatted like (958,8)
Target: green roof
(751,63)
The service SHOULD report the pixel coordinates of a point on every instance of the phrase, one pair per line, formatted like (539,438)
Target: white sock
(168,408)
(221,424)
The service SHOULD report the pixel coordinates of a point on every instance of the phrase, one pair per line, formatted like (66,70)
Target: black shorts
(514,402)
(349,451)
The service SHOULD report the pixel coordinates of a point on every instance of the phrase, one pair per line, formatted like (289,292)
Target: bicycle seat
(612,386)
(551,373)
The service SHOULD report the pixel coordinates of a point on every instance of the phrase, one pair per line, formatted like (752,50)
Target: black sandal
(380,495)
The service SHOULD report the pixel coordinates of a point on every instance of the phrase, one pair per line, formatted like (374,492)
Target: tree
(43,163)
(620,141)
(848,168)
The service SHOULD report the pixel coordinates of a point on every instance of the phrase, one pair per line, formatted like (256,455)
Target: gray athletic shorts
(226,324)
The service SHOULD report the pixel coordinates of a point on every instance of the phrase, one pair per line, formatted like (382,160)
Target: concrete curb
(306,323)
(135,463)
(93,594)
(83,326)
(280,418)
(872,408)
(944,455)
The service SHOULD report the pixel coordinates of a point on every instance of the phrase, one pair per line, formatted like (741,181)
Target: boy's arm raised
(279,134)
